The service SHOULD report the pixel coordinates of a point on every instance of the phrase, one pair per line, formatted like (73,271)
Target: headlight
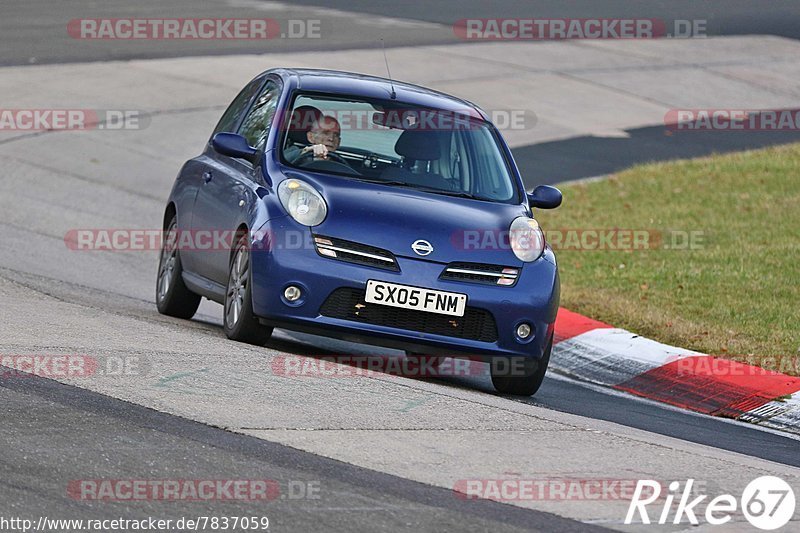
(527,239)
(302,201)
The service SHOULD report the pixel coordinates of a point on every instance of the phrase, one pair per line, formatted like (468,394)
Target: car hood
(392,218)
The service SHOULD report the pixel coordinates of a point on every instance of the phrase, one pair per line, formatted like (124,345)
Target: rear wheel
(173,298)
(239,322)
(525,381)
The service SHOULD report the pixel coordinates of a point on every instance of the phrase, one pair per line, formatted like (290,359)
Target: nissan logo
(421,247)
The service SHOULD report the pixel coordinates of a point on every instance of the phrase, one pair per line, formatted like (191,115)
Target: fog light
(292,293)
(524,331)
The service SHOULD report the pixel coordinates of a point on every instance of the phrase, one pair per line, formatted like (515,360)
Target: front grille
(353,252)
(481,273)
(348,304)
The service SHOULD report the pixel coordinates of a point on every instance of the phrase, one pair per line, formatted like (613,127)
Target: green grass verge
(737,295)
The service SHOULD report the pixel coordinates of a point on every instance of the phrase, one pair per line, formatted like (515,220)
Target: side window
(231,116)
(256,125)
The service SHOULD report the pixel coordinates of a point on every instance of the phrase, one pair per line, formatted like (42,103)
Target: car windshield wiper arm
(459,194)
(387,182)
(445,192)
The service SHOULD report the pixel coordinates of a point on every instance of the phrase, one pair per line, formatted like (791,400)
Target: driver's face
(326,131)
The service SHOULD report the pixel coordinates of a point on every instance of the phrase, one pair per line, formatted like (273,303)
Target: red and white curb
(592,351)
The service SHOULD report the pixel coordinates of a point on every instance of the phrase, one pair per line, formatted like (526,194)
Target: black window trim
(238,122)
(512,170)
(267,79)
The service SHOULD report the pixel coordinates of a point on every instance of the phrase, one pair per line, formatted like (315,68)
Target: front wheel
(510,379)
(173,298)
(239,322)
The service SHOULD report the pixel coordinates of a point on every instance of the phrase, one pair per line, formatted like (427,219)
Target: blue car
(368,210)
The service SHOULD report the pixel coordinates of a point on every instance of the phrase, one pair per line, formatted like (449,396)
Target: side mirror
(234,145)
(545,197)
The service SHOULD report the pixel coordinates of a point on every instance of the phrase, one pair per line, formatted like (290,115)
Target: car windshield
(398,145)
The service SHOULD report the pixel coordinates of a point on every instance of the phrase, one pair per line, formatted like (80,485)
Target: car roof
(363,85)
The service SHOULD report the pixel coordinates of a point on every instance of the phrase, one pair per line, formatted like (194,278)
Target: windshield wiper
(458,194)
(387,182)
(444,192)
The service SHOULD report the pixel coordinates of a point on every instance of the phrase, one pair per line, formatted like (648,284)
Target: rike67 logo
(768,503)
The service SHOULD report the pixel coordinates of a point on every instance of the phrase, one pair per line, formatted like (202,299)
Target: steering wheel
(308,157)
(334,163)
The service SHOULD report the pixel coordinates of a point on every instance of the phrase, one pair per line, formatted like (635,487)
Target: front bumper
(534,299)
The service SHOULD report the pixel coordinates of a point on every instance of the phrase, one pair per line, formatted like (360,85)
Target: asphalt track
(122,437)
(724,17)
(569,396)
(54,432)
(34,31)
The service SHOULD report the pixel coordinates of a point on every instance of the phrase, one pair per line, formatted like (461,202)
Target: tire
(238,320)
(526,384)
(173,298)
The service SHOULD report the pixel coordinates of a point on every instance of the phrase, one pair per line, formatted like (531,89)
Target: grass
(737,295)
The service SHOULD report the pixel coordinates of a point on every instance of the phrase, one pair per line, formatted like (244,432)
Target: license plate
(429,300)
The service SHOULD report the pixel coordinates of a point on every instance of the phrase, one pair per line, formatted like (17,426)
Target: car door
(193,171)
(227,192)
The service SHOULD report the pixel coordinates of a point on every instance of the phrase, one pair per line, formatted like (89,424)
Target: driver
(324,137)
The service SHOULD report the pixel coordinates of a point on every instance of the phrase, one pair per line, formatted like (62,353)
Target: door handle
(207,176)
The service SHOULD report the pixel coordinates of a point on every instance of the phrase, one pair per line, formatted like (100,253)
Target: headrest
(418,145)
(302,119)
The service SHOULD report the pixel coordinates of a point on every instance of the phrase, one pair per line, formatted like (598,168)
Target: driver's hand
(320,151)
